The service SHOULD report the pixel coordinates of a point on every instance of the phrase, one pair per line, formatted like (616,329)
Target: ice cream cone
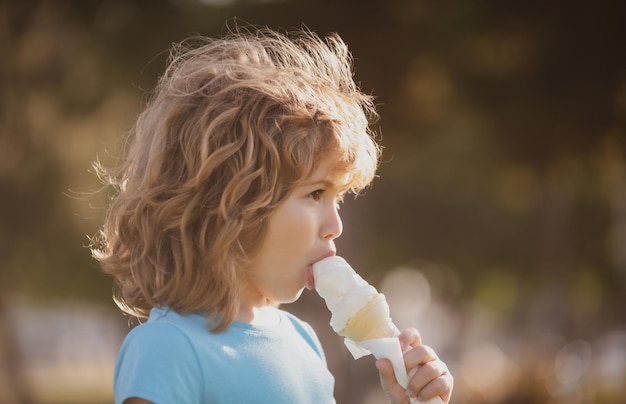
(359,312)
(361,315)
(370,322)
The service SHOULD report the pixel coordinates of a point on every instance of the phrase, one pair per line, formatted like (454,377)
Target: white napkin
(388,348)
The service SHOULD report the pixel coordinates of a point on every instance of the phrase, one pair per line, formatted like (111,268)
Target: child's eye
(316,195)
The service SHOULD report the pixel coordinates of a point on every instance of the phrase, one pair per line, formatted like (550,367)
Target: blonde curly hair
(233,125)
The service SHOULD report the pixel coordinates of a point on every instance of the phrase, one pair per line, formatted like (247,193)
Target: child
(228,194)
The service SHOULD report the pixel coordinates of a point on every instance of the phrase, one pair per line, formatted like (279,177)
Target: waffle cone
(371,322)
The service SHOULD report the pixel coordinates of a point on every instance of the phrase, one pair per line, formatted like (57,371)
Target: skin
(428,375)
(301,231)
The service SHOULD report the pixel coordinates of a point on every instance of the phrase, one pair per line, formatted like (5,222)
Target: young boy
(228,194)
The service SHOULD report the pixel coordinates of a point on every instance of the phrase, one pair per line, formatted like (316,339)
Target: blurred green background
(497,226)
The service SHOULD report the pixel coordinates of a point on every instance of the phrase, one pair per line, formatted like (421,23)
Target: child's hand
(428,375)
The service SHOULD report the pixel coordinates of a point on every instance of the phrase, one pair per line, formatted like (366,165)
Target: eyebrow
(326,183)
(323,182)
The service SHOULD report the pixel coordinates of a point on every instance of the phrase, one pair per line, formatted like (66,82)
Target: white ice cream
(343,290)
(345,294)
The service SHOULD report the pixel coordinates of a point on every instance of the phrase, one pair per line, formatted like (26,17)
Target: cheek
(298,226)
(292,226)
(292,239)
(279,236)
(288,235)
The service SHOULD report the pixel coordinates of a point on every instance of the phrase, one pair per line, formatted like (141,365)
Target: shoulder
(153,335)
(167,335)
(298,323)
(305,330)
(153,356)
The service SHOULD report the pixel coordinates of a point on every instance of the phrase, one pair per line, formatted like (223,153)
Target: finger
(387,377)
(419,355)
(409,337)
(388,382)
(439,387)
(429,380)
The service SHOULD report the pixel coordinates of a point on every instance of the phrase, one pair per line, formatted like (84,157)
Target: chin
(290,299)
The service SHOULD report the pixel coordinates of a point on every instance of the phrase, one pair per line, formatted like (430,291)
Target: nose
(332,226)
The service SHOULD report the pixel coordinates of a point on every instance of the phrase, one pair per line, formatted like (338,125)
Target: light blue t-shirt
(174,359)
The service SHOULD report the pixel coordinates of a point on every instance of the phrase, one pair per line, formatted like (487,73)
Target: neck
(245,314)
(250,302)
(263,315)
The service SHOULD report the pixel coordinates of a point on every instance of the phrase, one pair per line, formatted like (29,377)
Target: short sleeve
(158,363)
(306,331)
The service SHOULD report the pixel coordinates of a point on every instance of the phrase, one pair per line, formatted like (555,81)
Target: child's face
(300,232)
